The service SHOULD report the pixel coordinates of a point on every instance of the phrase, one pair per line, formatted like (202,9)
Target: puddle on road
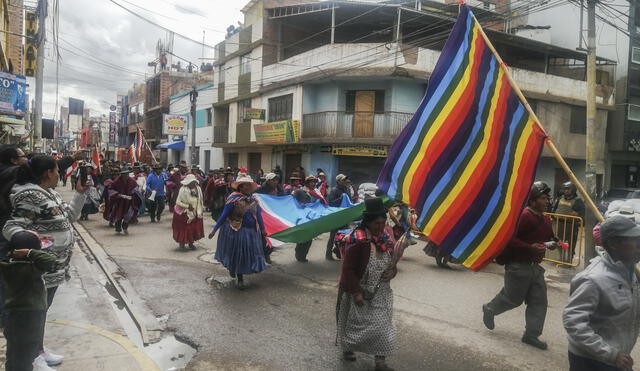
(170,353)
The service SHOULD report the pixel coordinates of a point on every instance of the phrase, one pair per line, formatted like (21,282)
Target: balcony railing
(220,134)
(332,125)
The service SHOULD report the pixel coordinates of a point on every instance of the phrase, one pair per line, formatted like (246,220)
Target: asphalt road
(285,319)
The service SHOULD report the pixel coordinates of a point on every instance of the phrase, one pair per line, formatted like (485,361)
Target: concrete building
(208,157)
(354,87)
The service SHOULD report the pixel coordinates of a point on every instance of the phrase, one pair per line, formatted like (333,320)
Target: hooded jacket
(43,211)
(602,317)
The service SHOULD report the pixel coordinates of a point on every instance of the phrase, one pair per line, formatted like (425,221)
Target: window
(242,109)
(350,101)
(209,118)
(634,112)
(578,123)
(221,74)
(635,55)
(245,64)
(280,108)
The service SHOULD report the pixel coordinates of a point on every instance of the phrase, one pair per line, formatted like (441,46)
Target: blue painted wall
(406,95)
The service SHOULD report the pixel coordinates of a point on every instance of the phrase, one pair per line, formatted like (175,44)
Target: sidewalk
(83,326)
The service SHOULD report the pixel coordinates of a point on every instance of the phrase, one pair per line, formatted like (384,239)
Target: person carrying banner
(239,247)
(295,184)
(308,194)
(343,183)
(524,277)
(188,213)
(272,188)
(602,317)
(364,311)
(155,193)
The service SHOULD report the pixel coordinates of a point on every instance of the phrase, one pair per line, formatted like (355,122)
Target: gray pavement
(285,320)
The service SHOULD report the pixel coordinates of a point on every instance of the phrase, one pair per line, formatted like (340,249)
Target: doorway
(207,160)
(255,162)
(364,114)
(291,161)
(232,160)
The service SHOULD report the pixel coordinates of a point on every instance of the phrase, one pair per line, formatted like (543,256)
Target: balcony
(221,134)
(342,126)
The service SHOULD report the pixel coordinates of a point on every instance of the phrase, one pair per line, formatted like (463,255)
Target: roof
(441,12)
(186,92)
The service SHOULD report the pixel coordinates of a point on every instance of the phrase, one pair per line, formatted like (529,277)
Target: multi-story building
(179,148)
(624,134)
(15,52)
(12,127)
(353,73)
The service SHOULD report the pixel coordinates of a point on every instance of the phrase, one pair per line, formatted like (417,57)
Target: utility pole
(37,111)
(591,166)
(193,97)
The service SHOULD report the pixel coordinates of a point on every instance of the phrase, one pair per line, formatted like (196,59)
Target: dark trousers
(156,207)
(330,243)
(302,249)
(523,282)
(579,363)
(23,331)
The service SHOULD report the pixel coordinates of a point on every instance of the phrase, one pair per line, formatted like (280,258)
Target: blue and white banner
(13,93)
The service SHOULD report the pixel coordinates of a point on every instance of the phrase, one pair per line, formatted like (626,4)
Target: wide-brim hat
(125,170)
(374,207)
(157,166)
(190,178)
(310,178)
(243,178)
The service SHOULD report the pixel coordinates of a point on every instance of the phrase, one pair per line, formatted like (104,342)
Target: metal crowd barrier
(569,229)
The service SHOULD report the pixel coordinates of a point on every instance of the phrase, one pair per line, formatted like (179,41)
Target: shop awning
(172,145)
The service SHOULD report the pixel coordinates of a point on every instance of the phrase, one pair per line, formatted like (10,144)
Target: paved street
(285,320)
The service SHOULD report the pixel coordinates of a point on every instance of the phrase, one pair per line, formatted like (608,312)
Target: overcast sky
(97,34)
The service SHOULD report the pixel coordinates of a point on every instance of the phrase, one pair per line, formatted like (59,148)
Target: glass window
(245,64)
(635,55)
(209,121)
(578,123)
(634,112)
(281,108)
(242,109)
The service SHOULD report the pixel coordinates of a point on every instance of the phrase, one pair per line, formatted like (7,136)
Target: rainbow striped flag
(468,157)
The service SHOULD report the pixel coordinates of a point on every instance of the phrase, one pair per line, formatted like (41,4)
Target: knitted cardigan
(43,211)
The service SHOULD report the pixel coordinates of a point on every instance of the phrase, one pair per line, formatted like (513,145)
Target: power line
(159,25)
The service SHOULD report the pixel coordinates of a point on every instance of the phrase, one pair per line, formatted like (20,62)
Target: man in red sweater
(523,275)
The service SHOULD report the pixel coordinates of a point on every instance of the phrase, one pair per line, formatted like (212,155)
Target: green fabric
(22,281)
(309,230)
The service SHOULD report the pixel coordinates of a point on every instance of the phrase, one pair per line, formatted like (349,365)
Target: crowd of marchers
(601,318)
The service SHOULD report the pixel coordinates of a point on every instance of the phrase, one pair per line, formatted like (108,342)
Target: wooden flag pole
(548,142)
(144,139)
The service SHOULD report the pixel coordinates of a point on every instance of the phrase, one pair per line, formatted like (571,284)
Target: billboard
(278,132)
(113,128)
(76,107)
(254,114)
(13,92)
(31,42)
(174,125)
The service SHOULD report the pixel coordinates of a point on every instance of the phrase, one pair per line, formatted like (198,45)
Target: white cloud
(105,49)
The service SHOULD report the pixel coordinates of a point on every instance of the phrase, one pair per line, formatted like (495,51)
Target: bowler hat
(374,207)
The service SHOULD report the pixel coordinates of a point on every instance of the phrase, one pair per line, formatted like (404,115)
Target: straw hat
(310,178)
(243,177)
(189,179)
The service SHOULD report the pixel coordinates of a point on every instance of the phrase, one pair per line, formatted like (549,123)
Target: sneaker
(39,364)
(52,358)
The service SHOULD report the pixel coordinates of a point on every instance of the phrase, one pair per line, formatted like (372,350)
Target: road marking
(143,360)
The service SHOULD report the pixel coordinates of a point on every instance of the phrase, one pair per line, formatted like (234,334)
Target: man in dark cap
(602,317)
(523,275)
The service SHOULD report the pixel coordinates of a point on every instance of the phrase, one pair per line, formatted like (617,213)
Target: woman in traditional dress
(365,299)
(188,213)
(241,229)
(124,200)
